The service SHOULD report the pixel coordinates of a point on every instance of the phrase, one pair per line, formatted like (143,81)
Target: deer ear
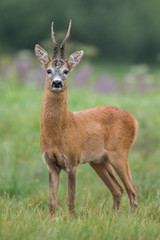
(74,59)
(42,55)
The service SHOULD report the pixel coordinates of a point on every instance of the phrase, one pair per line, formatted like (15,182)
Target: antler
(55,47)
(62,47)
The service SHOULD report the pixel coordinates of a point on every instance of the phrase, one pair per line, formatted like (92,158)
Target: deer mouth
(57,89)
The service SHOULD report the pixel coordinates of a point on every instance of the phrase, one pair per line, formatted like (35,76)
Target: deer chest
(54,160)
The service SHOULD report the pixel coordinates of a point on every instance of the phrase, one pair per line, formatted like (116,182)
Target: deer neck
(54,113)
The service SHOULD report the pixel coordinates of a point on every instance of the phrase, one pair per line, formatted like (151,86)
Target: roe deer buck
(101,136)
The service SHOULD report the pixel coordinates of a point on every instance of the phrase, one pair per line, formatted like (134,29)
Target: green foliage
(24,195)
(121,30)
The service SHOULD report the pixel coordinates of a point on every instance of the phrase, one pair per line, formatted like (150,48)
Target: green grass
(24,192)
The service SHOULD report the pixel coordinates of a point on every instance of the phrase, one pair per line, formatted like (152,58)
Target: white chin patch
(57,89)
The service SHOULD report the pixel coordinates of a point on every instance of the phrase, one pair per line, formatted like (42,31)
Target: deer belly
(93,146)
(96,157)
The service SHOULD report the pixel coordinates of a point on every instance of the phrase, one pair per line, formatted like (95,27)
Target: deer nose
(57,83)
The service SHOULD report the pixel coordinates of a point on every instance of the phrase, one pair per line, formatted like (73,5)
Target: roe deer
(101,136)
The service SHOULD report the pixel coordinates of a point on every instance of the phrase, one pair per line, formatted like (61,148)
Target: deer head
(57,70)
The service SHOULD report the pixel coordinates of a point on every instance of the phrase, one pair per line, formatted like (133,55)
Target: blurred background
(120,67)
(121,40)
(107,29)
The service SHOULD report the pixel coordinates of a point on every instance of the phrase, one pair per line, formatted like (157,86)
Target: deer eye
(65,71)
(49,71)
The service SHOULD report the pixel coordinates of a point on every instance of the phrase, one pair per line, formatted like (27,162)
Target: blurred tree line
(126,30)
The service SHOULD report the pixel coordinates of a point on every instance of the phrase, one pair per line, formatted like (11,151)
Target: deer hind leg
(105,172)
(121,166)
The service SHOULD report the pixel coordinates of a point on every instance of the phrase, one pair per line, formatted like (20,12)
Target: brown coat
(101,136)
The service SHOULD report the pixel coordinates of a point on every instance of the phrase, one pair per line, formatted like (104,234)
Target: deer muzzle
(57,84)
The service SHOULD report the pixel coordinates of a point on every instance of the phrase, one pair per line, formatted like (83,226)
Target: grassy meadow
(24,187)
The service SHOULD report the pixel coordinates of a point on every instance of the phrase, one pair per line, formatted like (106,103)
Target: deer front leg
(53,186)
(54,175)
(71,189)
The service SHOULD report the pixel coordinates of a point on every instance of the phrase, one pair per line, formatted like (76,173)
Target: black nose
(57,83)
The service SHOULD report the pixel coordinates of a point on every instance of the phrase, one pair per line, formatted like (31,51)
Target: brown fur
(102,136)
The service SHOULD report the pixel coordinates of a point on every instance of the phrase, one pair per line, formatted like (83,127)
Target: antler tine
(62,47)
(55,47)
